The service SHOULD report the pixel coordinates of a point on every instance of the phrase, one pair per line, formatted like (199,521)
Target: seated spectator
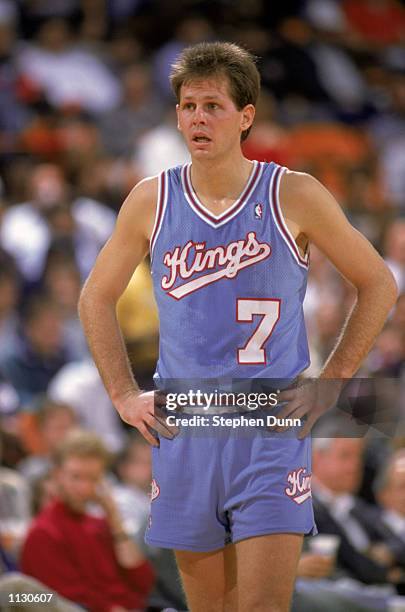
(317,588)
(79,385)
(139,111)
(61,282)
(337,471)
(54,421)
(134,465)
(28,228)
(9,290)
(69,76)
(138,320)
(389,489)
(14,511)
(89,560)
(394,248)
(134,470)
(40,353)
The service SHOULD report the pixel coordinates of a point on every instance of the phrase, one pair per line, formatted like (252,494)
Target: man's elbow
(382,283)
(391,290)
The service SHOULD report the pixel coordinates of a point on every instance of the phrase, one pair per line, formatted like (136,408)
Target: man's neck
(220,181)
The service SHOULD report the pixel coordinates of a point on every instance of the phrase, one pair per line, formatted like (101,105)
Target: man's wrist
(120,400)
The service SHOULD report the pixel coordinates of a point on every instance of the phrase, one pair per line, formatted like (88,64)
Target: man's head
(54,420)
(216,86)
(42,325)
(389,486)
(133,465)
(338,463)
(81,461)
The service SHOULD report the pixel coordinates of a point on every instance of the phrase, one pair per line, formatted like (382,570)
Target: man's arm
(313,214)
(97,308)
(316,214)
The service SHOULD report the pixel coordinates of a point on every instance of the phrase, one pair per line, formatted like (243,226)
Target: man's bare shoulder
(140,204)
(304,200)
(296,186)
(143,196)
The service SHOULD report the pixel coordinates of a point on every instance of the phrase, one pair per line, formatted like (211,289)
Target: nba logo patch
(258,211)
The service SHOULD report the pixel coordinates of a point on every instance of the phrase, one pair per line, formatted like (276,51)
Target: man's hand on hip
(141,410)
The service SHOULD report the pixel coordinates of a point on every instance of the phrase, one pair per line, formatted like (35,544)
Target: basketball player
(228,240)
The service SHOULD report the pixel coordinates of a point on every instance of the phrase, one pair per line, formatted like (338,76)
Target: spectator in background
(387,357)
(70,76)
(54,421)
(61,282)
(14,114)
(138,320)
(9,293)
(90,560)
(337,472)
(389,489)
(139,111)
(395,251)
(133,467)
(79,385)
(376,22)
(160,147)
(40,353)
(28,229)
(188,30)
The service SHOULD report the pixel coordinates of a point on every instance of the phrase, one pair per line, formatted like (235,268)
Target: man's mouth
(201,139)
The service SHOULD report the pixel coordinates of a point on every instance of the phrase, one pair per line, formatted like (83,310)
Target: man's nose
(199,115)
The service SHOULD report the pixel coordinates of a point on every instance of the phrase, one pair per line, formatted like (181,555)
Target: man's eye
(188,106)
(212,105)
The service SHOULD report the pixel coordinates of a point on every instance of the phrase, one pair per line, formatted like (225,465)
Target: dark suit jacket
(349,559)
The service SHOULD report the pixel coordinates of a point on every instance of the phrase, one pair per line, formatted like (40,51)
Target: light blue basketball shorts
(214,485)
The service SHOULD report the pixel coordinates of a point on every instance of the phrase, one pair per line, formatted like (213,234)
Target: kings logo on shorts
(300,485)
(155,490)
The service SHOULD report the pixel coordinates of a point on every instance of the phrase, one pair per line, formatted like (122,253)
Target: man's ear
(248,115)
(178,122)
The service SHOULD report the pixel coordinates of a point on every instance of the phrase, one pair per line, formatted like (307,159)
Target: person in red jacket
(87,559)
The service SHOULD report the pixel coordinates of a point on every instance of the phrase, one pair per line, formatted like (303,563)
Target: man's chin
(75,505)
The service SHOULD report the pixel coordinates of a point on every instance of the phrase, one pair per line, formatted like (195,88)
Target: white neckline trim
(203,212)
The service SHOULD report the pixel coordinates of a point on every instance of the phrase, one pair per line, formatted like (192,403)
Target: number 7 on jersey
(269,310)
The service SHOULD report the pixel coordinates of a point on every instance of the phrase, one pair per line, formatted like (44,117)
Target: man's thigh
(266,571)
(209,579)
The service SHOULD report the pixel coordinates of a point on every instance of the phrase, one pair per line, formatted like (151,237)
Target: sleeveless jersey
(229,287)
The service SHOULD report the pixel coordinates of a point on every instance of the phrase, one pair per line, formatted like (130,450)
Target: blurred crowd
(86,111)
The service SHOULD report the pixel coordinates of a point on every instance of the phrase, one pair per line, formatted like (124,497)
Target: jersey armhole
(277,214)
(160,210)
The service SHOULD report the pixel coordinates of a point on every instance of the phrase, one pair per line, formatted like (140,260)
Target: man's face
(209,120)
(78,479)
(55,428)
(137,470)
(339,467)
(44,332)
(392,497)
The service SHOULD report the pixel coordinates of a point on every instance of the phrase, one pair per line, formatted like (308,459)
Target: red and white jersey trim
(274,190)
(203,212)
(160,209)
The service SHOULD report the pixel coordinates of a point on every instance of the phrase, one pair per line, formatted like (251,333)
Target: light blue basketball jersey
(229,287)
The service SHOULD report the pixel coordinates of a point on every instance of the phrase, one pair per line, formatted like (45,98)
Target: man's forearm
(100,324)
(361,329)
(127,552)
